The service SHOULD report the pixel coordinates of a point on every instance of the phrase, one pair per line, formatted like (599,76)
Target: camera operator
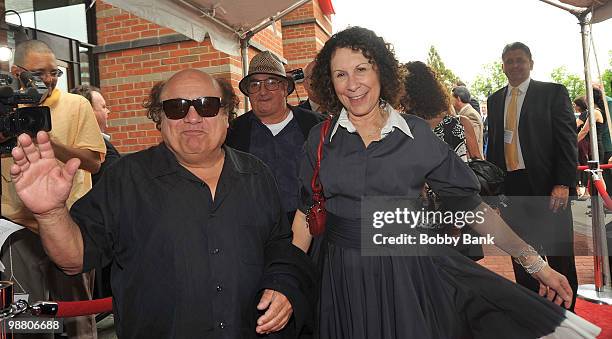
(74,134)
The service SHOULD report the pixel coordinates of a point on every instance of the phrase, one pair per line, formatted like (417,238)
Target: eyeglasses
(270,84)
(54,73)
(206,107)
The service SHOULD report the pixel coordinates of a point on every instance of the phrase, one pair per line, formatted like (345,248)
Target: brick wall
(305,31)
(271,38)
(126,75)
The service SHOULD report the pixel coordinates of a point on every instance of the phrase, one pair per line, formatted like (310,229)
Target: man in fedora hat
(273,130)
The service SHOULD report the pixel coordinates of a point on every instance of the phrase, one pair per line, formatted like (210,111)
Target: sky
(471,33)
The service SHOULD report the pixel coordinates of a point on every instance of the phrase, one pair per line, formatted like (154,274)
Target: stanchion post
(6,301)
(600,246)
(602,270)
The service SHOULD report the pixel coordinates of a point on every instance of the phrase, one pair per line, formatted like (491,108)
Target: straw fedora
(266,63)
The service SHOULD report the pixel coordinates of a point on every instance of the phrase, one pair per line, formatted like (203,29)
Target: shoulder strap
(314,183)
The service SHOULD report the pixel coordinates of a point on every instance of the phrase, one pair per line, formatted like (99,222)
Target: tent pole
(602,267)
(244,51)
(571,9)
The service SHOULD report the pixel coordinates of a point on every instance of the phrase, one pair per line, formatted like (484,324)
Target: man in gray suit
(461,103)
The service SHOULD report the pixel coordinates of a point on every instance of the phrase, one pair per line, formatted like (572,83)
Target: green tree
(607,80)
(573,82)
(492,79)
(445,75)
(607,76)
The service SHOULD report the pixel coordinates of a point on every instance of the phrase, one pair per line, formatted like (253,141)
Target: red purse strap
(314,183)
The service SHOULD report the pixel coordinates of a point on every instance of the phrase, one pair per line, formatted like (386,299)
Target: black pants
(549,233)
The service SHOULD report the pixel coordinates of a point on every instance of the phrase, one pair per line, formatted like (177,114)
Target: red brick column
(305,31)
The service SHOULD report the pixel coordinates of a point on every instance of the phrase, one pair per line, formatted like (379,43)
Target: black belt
(342,231)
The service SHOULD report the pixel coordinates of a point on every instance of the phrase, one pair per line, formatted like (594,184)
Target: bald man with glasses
(273,130)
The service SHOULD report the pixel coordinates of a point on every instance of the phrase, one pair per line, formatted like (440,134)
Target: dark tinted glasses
(205,106)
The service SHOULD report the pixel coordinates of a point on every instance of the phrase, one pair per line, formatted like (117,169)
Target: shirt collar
(394,120)
(164,162)
(522,87)
(53,98)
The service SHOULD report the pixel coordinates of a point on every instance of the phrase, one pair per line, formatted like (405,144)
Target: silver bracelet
(535,267)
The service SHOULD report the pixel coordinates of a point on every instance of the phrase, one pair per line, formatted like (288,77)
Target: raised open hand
(41,181)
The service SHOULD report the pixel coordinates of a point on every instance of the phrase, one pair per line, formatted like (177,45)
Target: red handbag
(316,214)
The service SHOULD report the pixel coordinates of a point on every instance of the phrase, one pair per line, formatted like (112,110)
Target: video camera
(15,120)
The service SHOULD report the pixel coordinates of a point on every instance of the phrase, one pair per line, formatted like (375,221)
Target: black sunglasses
(206,107)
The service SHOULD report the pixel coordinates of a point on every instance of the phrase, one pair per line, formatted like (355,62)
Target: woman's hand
(554,286)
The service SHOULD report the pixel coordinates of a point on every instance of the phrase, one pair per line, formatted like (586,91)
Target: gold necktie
(511,149)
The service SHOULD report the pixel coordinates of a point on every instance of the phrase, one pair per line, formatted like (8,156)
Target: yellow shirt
(73,124)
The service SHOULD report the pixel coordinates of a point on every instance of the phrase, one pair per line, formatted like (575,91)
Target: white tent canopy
(601,9)
(224,21)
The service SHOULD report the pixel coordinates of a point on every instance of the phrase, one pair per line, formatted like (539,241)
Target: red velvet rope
(66,309)
(602,166)
(601,189)
(600,186)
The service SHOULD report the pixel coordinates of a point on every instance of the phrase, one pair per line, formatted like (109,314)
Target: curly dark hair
(375,49)
(425,95)
(229,99)
(153,104)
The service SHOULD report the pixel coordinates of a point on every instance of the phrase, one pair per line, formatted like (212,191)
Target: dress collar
(394,120)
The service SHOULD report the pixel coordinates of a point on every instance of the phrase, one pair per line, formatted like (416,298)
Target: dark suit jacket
(239,133)
(305,104)
(547,131)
